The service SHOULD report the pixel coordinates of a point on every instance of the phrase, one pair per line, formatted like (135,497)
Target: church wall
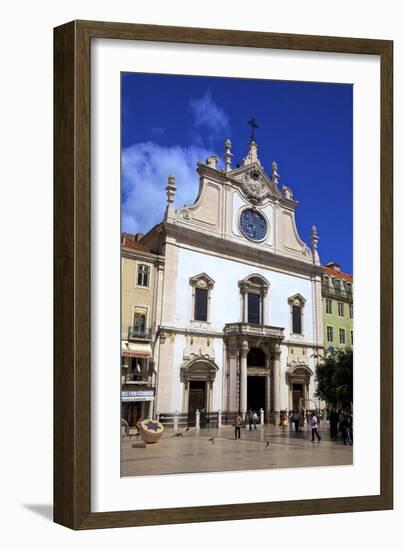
(225,296)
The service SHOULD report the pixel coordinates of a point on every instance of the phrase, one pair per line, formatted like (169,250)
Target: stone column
(244,377)
(268,403)
(219,419)
(276,378)
(232,365)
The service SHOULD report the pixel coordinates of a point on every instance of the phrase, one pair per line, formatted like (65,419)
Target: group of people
(290,418)
(341,421)
(253,419)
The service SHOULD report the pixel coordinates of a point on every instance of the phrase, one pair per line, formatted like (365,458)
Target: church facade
(239,324)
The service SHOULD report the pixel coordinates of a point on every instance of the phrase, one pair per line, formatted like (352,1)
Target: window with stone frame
(342,336)
(340,309)
(297,304)
(329,334)
(351,337)
(201,304)
(139,321)
(351,310)
(202,286)
(254,308)
(143,275)
(329,306)
(253,289)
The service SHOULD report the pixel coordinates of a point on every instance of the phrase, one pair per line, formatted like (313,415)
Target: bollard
(261,418)
(176,421)
(219,422)
(197,420)
(157,416)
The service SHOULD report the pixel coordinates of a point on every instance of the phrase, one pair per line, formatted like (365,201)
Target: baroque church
(238,315)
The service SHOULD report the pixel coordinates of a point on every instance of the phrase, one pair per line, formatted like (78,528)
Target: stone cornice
(236,250)
(142,255)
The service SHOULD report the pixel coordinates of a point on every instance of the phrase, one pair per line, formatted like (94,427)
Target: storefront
(137,391)
(137,404)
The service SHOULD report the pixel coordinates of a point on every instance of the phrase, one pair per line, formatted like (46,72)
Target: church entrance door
(197,400)
(256,396)
(297,395)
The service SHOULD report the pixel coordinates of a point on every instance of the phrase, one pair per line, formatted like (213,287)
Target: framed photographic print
(223,275)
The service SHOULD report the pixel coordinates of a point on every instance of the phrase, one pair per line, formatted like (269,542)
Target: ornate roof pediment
(254,184)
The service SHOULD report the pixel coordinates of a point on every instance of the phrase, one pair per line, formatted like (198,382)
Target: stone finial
(228,155)
(275,176)
(171,190)
(314,242)
(212,161)
(251,157)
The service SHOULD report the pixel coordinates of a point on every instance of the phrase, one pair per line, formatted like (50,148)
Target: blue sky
(170,122)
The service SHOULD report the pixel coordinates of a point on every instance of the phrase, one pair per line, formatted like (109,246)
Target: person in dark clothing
(334,419)
(347,428)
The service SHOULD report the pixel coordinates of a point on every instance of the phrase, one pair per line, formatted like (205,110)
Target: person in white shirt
(314,426)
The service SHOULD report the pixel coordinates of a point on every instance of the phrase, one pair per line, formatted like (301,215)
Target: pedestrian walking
(314,427)
(254,420)
(250,419)
(238,424)
(296,421)
(347,429)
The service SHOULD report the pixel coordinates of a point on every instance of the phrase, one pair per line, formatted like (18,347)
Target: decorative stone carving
(199,368)
(254,186)
(287,192)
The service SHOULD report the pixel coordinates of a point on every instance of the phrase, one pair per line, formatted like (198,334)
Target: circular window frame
(248,207)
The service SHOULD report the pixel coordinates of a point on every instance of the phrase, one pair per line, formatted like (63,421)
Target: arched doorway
(298,380)
(256,389)
(198,377)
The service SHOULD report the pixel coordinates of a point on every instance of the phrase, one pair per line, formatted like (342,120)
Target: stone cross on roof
(253,125)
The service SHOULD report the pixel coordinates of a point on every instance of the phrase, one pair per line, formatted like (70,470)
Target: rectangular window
(329,305)
(143,275)
(329,334)
(340,307)
(351,311)
(296,320)
(201,297)
(254,308)
(139,322)
(342,336)
(137,370)
(351,336)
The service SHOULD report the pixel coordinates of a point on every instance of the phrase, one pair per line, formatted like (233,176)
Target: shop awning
(140,349)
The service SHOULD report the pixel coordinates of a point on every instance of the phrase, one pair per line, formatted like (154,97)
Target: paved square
(196,451)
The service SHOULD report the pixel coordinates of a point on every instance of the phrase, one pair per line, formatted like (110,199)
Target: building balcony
(252,330)
(135,332)
(338,293)
(135,377)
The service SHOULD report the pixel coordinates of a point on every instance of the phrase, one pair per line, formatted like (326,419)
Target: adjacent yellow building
(141,275)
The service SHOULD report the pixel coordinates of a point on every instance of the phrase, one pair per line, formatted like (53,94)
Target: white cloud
(145,170)
(209,115)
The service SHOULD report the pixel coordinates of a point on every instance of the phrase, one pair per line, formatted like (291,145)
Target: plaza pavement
(194,452)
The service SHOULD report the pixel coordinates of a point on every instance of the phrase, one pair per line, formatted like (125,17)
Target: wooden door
(197,400)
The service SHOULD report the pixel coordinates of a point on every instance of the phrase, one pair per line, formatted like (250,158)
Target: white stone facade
(237,251)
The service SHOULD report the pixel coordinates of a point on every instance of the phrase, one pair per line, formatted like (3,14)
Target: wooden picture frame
(72,273)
